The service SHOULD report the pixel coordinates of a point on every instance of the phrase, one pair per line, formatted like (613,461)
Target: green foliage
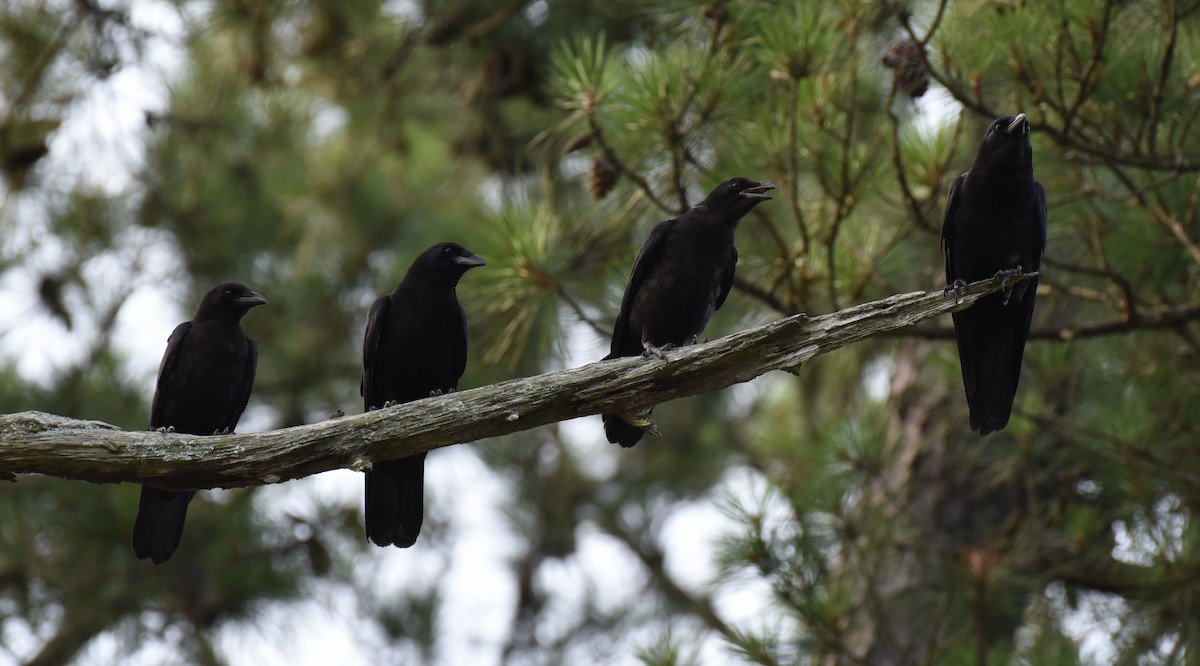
(312,148)
(581,73)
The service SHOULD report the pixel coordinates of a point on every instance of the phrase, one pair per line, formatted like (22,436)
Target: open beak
(470,261)
(758,191)
(1019,121)
(254,298)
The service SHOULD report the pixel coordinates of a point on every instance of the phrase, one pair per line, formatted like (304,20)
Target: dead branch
(35,442)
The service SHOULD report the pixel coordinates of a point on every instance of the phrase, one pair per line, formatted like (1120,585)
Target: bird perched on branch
(681,274)
(995,225)
(415,346)
(204,382)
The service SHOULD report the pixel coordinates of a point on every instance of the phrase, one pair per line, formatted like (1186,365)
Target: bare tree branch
(1144,319)
(34,442)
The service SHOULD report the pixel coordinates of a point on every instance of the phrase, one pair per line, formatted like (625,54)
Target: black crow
(204,382)
(415,346)
(681,274)
(995,226)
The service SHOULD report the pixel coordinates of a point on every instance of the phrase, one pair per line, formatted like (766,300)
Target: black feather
(681,274)
(995,220)
(415,345)
(204,383)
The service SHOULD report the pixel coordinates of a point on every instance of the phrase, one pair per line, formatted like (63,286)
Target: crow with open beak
(680,276)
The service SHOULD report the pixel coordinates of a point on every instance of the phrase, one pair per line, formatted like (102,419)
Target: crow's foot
(958,288)
(657,352)
(390,403)
(435,392)
(1005,277)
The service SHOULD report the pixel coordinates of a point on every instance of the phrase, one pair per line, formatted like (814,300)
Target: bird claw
(166,429)
(1005,277)
(657,352)
(958,288)
(226,431)
(435,392)
(337,414)
(390,403)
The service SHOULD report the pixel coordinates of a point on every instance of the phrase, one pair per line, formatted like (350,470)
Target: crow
(681,274)
(995,226)
(204,382)
(415,346)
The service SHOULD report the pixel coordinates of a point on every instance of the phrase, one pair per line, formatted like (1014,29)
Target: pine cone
(903,57)
(602,177)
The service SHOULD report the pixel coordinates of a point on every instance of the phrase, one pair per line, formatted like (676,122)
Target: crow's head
(1006,142)
(446,260)
(737,196)
(230,301)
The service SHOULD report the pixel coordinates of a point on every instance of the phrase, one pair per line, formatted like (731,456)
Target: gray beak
(470,261)
(253,299)
(1019,121)
(758,191)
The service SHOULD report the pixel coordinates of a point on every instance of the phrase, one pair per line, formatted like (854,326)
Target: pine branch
(35,442)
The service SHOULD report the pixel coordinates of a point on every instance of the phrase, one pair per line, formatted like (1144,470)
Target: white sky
(476,580)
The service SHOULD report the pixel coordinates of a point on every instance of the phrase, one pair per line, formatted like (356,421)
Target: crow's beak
(1019,121)
(253,299)
(470,261)
(758,191)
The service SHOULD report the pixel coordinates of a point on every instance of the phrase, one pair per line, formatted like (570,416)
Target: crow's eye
(229,292)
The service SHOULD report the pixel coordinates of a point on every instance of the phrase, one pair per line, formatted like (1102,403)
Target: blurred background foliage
(311,148)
